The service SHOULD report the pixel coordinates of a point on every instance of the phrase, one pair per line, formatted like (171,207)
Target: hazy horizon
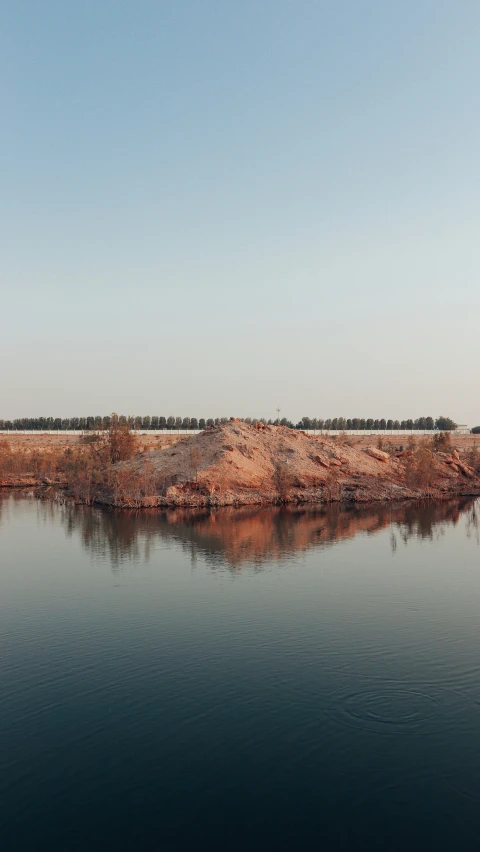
(213,210)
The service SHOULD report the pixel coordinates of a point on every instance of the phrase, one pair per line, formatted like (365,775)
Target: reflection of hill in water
(238,536)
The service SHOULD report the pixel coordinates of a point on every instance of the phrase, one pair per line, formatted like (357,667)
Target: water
(238,681)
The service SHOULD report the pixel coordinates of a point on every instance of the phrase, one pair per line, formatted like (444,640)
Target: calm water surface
(240,680)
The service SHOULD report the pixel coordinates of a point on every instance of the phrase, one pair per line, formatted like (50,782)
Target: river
(264,679)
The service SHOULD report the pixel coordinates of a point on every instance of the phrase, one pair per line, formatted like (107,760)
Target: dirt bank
(238,464)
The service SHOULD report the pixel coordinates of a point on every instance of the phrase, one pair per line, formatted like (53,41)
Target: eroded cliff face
(239,464)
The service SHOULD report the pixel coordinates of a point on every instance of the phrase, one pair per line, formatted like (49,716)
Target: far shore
(236,464)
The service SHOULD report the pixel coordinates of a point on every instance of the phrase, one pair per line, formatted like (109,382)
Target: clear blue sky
(215,208)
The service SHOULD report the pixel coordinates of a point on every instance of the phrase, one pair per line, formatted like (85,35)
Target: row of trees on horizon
(337,423)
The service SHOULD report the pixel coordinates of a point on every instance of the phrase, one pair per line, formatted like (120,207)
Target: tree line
(337,423)
(441,423)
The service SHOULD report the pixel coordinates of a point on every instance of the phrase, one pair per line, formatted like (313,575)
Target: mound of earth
(240,464)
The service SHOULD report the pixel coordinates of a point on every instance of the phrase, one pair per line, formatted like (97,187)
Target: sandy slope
(238,464)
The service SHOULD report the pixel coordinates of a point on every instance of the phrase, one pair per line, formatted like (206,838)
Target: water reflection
(305,708)
(253,535)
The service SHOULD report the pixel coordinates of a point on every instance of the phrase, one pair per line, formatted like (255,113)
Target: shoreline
(242,465)
(42,490)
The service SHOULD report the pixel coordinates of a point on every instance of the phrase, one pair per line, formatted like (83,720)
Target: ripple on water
(395,708)
(384,708)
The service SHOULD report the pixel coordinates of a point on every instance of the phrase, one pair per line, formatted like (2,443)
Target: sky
(217,209)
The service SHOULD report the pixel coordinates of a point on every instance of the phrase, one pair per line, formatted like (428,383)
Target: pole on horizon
(278,414)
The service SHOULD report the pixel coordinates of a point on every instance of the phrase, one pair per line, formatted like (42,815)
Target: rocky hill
(239,464)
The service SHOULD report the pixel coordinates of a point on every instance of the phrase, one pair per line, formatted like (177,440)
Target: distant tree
(193,423)
(445,424)
(210,421)
(338,423)
(201,423)
(476,430)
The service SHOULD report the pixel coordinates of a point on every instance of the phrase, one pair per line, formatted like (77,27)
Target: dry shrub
(122,442)
(419,471)
(473,457)
(331,487)
(441,442)
(193,460)
(390,448)
(281,480)
(89,467)
(22,462)
(129,486)
(116,444)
